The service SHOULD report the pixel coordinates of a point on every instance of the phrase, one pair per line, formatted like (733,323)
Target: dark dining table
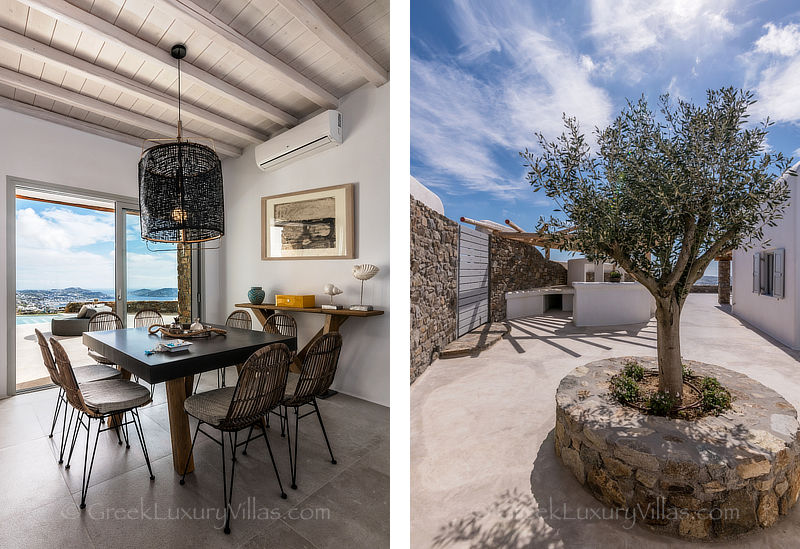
(126,348)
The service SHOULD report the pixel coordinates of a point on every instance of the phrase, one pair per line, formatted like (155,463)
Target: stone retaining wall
(713,478)
(517,266)
(434,284)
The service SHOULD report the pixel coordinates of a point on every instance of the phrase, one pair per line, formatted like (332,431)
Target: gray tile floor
(346,504)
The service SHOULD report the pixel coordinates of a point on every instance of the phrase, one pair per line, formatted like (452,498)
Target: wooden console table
(334,318)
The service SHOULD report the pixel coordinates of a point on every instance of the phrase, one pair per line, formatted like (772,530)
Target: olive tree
(662,194)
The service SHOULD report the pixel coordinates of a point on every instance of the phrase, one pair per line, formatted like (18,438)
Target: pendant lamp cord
(180,129)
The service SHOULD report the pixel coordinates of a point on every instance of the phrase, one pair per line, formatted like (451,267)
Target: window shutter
(777,274)
(757,273)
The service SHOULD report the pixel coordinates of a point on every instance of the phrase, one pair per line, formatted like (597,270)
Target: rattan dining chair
(303,389)
(281,324)
(144,319)
(237,319)
(100,322)
(259,389)
(84,374)
(99,400)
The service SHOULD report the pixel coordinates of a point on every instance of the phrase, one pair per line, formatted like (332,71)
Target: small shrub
(624,389)
(714,397)
(687,372)
(661,404)
(633,370)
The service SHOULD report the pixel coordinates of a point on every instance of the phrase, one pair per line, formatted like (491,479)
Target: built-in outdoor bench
(538,301)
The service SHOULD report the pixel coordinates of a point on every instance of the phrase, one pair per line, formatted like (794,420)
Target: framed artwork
(313,224)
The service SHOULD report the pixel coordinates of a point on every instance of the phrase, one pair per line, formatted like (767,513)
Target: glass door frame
(122,204)
(121,264)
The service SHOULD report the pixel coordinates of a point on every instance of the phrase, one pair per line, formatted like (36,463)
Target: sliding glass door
(78,252)
(148,278)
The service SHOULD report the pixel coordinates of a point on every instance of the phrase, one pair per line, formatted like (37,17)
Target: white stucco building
(765,279)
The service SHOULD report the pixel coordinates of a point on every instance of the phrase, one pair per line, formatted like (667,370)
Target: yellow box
(298,301)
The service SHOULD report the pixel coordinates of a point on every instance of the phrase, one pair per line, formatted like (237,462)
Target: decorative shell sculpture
(364,272)
(331,290)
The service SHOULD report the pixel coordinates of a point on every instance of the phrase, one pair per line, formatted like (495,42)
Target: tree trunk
(668,317)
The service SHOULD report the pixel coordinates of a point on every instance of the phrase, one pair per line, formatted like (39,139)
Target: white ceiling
(253,67)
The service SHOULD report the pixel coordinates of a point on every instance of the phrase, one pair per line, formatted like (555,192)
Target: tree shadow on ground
(556,512)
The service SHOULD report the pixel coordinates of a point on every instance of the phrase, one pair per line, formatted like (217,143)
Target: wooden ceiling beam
(86,22)
(320,24)
(69,97)
(69,122)
(29,47)
(196,17)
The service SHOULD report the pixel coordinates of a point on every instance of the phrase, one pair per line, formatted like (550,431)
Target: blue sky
(486,75)
(63,246)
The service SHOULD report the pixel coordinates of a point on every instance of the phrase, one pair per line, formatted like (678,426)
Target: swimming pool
(34,319)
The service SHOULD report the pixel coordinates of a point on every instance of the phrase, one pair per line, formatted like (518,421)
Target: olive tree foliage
(662,194)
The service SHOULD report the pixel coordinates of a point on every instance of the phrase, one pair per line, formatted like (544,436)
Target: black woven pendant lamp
(180,186)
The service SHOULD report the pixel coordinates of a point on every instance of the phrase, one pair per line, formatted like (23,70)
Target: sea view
(41,305)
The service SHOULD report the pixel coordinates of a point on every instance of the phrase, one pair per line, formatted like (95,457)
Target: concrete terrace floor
(342,505)
(483,469)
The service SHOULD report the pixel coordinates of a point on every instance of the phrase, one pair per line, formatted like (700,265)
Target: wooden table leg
(179,424)
(332,324)
(260,316)
(116,419)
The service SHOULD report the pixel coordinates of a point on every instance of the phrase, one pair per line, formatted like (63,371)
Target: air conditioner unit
(315,134)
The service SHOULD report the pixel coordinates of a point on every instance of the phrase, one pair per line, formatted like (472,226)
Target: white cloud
(61,268)
(625,27)
(508,82)
(783,41)
(153,270)
(61,228)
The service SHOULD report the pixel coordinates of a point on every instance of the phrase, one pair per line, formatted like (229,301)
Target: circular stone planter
(712,478)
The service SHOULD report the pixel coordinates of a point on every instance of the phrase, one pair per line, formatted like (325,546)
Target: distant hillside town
(54,300)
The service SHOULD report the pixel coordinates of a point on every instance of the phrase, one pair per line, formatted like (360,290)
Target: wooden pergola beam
(514,226)
(86,22)
(225,36)
(46,54)
(319,23)
(69,97)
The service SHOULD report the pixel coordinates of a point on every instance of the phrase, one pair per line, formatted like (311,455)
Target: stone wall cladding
(710,479)
(517,266)
(434,280)
(724,277)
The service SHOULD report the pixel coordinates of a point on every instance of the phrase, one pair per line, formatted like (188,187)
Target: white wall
(363,158)
(34,149)
(777,317)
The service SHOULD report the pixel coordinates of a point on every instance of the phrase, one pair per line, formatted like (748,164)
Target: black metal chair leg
(233,472)
(274,466)
(78,424)
(65,429)
(55,413)
(223,376)
(319,417)
(125,431)
(292,461)
(247,442)
(196,385)
(86,478)
(191,449)
(137,424)
(227,529)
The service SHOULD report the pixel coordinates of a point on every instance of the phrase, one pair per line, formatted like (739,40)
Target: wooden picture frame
(311,224)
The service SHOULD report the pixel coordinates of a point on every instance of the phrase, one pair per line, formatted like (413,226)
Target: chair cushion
(112,395)
(210,406)
(97,357)
(95,372)
(291,384)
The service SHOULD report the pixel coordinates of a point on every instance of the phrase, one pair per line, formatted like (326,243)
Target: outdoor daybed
(75,325)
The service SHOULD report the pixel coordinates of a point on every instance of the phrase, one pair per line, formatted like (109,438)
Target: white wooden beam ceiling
(318,22)
(254,65)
